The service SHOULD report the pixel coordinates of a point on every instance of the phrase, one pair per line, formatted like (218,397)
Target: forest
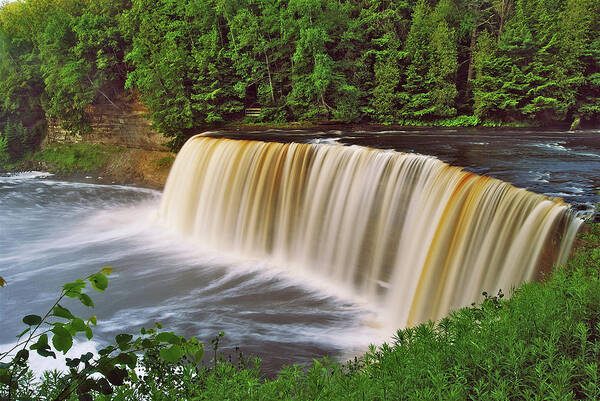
(197,64)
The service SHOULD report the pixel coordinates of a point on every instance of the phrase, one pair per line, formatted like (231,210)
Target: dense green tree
(538,68)
(180,63)
(577,36)
(67,89)
(385,26)
(588,97)
(430,88)
(21,84)
(319,86)
(102,46)
(197,64)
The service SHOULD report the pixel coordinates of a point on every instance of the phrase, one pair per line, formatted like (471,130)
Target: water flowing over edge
(407,232)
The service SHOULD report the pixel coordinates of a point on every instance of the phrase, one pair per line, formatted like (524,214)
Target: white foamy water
(355,218)
(26,175)
(41,364)
(54,232)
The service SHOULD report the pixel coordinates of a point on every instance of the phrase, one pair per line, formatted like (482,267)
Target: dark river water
(55,231)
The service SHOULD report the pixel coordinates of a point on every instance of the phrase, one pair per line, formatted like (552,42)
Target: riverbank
(105,163)
(463,121)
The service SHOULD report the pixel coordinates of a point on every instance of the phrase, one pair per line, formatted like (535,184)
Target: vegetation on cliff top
(542,343)
(75,157)
(198,63)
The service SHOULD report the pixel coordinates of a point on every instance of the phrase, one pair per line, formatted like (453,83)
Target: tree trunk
(471,54)
(269,74)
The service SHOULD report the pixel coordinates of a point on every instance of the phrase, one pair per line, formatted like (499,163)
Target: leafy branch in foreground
(87,374)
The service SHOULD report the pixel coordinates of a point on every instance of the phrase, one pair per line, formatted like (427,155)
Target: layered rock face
(123,124)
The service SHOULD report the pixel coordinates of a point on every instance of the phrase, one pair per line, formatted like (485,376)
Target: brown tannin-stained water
(301,250)
(406,232)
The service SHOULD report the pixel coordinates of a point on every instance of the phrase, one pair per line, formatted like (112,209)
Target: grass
(68,158)
(164,162)
(460,121)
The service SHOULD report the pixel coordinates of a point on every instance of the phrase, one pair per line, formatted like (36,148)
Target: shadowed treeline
(198,63)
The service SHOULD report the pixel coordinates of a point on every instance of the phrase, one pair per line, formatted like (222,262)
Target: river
(53,231)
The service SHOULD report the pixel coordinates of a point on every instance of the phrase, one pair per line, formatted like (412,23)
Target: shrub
(80,157)
(4,155)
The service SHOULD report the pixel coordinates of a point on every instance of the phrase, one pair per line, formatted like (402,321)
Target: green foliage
(76,157)
(17,140)
(4,155)
(539,67)
(165,162)
(430,89)
(21,85)
(198,64)
(87,376)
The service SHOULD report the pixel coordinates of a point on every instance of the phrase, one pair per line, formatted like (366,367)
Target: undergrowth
(164,162)
(76,157)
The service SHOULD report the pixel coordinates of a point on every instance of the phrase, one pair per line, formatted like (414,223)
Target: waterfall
(407,232)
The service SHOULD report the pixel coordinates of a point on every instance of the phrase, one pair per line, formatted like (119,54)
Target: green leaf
(123,341)
(107,350)
(4,376)
(88,332)
(106,270)
(132,361)
(24,332)
(42,347)
(165,337)
(78,324)
(99,282)
(93,320)
(172,354)
(41,343)
(117,376)
(127,358)
(62,339)
(87,386)
(104,386)
(87,357)
(199,354)
(45,353)
(59,311)
(22,356)
(86,300)
(32,320)
(73,289)
(72,363)
(123,338)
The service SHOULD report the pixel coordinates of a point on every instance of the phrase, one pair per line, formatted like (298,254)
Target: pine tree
(385,25)
(430,88)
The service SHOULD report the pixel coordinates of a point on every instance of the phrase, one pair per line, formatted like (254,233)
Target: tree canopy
(199,63)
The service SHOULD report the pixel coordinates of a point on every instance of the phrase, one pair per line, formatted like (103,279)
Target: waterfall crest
(405,231)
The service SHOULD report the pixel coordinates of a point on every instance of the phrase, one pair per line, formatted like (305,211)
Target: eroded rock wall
(124,124)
